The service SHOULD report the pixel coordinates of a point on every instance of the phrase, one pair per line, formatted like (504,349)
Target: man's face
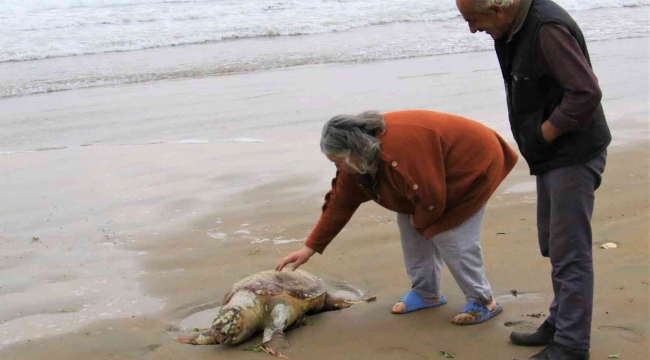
(492,21)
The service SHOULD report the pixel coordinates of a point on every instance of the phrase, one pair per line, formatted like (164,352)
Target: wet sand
(183,188)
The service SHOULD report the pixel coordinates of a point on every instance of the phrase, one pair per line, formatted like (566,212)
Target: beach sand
(127,209)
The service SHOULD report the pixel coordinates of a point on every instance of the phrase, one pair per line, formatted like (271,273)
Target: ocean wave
(261,63)
(54,47)
(17,7)
(40,29)
(240,46)
(581,5)
(10,7)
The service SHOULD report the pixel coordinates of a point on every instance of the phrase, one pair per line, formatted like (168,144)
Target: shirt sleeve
(341,202)
(564,61)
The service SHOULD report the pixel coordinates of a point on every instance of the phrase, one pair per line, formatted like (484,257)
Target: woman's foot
(399,307)
(412,301)
(474,313)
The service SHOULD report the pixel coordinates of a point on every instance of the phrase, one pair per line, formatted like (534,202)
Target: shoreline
(265,105)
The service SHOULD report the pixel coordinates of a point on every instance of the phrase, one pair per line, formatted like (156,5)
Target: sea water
(53,45)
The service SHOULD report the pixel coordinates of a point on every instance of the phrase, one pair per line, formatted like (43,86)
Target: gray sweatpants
(459,248)
(565,202)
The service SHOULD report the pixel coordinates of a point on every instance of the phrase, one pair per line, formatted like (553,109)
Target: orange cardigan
(440,168)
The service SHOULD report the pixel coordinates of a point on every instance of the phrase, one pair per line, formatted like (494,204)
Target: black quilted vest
(532,97)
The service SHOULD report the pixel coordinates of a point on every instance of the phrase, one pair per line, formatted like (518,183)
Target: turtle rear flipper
(343,295)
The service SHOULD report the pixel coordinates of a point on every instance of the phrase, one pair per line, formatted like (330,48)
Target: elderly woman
(437,171)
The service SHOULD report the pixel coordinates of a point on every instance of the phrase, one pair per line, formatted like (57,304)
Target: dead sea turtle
(271,301)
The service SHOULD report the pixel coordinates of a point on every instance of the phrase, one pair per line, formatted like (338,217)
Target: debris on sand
(536,316)
(254,348)
(609,245)
(446,354)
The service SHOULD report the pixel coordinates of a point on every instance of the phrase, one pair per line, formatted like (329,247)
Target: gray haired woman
(437,172)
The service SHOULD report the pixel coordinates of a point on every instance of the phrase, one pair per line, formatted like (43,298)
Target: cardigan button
(415,187)
(431,207)
(394,163)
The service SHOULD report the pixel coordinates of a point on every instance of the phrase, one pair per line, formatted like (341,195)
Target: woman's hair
(483,5)
(354,136)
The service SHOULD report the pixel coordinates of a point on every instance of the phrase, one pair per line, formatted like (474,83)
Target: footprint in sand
(515,295)
(153,347)
(521,326)
(400,353)
(623,333)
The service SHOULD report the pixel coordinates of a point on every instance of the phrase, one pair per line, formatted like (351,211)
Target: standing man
(558,122)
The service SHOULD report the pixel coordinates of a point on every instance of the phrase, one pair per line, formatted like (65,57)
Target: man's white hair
(483,5)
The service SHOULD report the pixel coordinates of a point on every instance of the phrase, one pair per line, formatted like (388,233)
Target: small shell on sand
(609,245)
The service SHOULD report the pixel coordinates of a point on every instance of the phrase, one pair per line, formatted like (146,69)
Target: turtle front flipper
(274,341)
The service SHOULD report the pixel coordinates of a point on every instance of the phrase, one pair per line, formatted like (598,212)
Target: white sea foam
(191,141)
(244,140)
(6,153)
(286,241)
(216,234)
(260,241)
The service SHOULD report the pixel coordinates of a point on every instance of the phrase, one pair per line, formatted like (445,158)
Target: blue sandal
(479,312)
(414,302)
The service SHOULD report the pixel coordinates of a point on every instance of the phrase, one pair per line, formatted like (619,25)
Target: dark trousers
(565,202)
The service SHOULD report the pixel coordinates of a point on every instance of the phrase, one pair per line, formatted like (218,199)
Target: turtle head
(231,327)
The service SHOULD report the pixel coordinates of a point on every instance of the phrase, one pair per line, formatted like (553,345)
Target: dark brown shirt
(562,59)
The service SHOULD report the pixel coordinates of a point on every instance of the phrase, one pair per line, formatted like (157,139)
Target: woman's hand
(297,258)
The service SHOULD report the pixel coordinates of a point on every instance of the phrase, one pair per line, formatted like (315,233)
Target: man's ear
(495,9)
